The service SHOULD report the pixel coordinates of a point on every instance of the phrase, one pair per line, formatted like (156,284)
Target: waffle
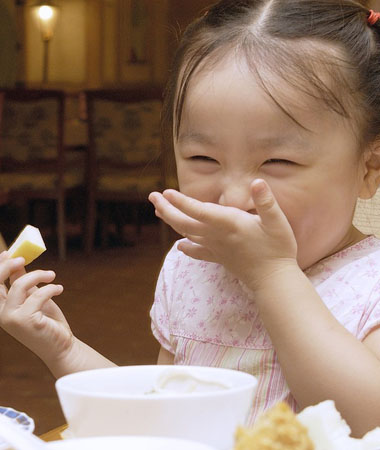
(277,429)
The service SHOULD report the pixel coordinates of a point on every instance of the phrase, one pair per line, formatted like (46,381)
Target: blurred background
(80,96)
(94,43)
(76,46)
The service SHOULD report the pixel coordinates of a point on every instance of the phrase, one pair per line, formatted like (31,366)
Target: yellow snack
(277,429)
(28,244)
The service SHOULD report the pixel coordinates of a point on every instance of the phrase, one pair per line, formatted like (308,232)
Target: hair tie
(373,17)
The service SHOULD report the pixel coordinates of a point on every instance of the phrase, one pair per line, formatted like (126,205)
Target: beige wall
(88,41)
(67,49)
(86,48)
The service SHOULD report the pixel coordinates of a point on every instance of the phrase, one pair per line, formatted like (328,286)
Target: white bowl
(119,401)
(127,442)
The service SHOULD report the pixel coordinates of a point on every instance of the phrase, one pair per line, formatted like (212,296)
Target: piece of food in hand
(28,244)
(277,429)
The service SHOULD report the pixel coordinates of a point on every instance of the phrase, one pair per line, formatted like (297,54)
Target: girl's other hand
(27,311)
(250,245)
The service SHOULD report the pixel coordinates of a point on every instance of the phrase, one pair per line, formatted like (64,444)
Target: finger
(265,203)
(3,255)
(204,212)
(195,251)
(21,287)
(17,274)
(37,300)
(8,266)
(179,221)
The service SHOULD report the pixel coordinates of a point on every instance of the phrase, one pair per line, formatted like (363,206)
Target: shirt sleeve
(160,311)
(371,315)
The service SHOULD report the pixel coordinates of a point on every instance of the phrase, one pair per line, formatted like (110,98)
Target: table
(54,435)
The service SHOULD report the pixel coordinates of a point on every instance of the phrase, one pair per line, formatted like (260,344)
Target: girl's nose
(238,195)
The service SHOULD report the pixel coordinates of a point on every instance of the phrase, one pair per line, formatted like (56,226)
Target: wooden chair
(367,215)
(125,157)
(33,161)
(4,195)
(3,201)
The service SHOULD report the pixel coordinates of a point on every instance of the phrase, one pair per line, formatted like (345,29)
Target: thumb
(265,203)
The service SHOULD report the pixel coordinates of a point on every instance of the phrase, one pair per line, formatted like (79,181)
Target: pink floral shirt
(205,316)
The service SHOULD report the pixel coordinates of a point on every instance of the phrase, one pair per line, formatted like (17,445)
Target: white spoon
(18,438)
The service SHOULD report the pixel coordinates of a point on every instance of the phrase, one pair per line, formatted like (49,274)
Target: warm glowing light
(45,12)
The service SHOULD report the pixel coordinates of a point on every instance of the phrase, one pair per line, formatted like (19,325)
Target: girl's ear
(371,179)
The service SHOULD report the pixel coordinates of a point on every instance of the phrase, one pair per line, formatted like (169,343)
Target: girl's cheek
(203,192)
(291,209)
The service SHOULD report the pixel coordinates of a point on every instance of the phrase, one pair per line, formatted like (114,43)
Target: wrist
(64,362)
(77,358)
(273,274)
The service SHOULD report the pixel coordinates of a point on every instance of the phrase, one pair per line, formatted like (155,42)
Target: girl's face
(232,132)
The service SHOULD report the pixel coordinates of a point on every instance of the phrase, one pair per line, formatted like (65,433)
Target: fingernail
(168,191)
(20,259)
(260,185)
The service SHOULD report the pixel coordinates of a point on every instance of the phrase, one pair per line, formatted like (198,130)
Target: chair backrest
(367,215)
(32,127)
(124,126)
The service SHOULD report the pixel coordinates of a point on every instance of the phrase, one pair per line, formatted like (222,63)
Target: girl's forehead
(230,94)
(233,79)
(304,70)
(220,76)
(291,93)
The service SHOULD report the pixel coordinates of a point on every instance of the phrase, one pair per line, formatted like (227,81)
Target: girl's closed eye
(279,161)
(202,158)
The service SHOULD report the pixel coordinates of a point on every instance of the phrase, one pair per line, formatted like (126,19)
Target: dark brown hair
(290,40)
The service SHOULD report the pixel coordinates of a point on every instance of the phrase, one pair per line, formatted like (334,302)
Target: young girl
(274,108)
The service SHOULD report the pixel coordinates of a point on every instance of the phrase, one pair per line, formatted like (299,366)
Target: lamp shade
(45,14)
